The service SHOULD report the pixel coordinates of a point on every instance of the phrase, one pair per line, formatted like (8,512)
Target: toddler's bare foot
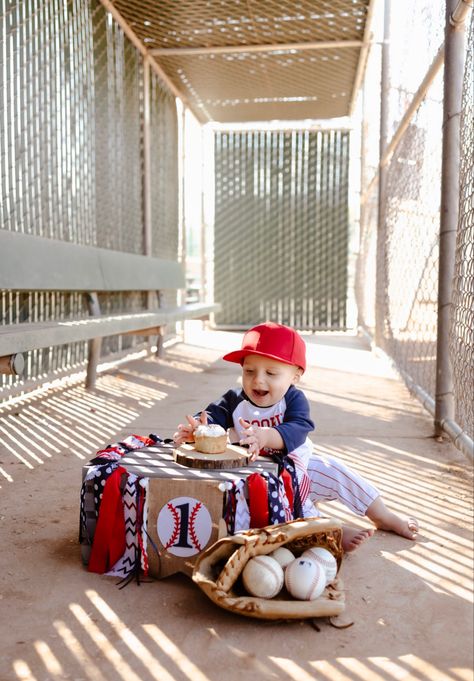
(384,519)
(352,538)
(405,527)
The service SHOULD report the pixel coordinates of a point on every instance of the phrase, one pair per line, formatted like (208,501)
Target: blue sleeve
(296,420)
(221,410)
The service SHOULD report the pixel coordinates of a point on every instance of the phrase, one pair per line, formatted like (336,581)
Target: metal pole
(95,344)
(203,226)
(12,364)
(460,12)
(182,293)
(363,208)
(182,185)
(147,230)
(452,102)
(147,225)
(380,276)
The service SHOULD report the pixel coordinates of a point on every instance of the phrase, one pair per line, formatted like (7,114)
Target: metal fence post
(452,101)
(182,246)
(204,282)
(147,230)
(381,275)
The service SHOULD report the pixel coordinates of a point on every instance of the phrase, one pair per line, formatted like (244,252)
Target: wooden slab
(233,457)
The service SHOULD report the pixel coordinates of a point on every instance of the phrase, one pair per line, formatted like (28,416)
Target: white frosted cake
(210,439)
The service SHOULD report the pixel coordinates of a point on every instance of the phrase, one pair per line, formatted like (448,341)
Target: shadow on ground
(410,602)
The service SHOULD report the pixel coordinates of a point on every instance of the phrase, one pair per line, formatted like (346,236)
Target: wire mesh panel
(405,226)
(462,333)
(164,174)
(164,171)
(412,25)
(409,298)
(71,155)
(281,228)
(117,86)
(403,282)
(47,113)
(369,112)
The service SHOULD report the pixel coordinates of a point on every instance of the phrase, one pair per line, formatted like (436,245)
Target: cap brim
(238,356)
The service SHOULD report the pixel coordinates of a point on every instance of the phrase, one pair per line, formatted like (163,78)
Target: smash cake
(210,439)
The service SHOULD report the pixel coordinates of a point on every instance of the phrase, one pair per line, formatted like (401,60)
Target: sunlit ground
(411,602)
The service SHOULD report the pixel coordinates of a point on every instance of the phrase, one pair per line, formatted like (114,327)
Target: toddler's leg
(331,480)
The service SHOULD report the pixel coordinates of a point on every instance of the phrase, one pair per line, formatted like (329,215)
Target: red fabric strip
(109,537)
(258,500)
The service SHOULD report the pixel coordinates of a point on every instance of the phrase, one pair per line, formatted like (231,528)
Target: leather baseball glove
(217,570)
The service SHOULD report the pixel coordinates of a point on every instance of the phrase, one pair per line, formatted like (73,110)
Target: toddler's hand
(250,437)
(185,432)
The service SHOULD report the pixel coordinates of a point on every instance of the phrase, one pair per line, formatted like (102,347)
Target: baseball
(282,556)
(324,558)
(263,577)
(305,579)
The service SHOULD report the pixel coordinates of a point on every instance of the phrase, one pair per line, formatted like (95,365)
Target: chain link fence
(462,335)
(281,228)
(397,270)
(72,156)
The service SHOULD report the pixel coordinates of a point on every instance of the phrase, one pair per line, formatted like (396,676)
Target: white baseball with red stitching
(325,558)
(305,579)
(263,577)
(283,556)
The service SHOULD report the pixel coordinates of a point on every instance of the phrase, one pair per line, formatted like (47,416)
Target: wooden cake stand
(233,457)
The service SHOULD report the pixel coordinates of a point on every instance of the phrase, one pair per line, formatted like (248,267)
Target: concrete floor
(410,602)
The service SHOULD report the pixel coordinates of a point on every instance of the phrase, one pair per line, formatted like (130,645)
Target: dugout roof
(253,60)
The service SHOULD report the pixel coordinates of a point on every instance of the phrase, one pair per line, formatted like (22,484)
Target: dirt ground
(410,602)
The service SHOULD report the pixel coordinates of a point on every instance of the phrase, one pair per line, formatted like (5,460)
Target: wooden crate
(184,506)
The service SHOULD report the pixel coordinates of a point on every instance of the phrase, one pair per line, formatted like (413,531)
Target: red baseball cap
(271,340)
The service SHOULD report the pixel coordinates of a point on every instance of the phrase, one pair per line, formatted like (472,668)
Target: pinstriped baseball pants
(331,480)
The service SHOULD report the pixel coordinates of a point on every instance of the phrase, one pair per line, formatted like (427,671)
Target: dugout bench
(31,263)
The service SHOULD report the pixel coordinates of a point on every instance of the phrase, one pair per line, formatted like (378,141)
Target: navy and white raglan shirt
(290,416)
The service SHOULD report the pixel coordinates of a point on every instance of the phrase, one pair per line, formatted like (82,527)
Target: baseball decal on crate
(184,526)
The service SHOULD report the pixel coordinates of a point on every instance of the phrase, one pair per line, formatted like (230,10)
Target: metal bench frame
(30,263)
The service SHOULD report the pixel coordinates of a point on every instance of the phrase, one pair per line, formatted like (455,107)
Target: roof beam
(237,49)
(363,57)
(135,40)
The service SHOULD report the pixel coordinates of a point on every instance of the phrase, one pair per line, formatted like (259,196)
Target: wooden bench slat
(34,263)
(23,337)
